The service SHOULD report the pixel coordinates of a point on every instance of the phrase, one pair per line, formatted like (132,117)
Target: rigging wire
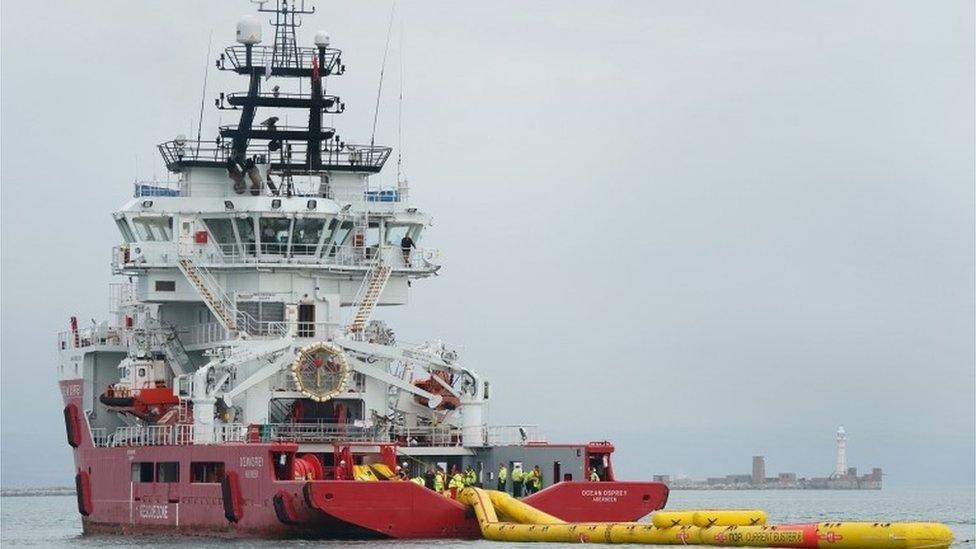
(203,96)
(379,89)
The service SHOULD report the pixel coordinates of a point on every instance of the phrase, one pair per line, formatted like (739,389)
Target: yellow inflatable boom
(734,528)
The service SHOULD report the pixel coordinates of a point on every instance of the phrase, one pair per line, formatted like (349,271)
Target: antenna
(400,113)
(379,89)
(203,96)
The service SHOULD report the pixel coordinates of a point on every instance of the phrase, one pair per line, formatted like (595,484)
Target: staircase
(369,294)
(213,295)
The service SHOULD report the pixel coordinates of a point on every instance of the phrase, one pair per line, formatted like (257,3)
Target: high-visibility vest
(502,473)
(470,478)
(439,482)
(536,480)
(457,481)
(594,477)
(517,474)
(419,480)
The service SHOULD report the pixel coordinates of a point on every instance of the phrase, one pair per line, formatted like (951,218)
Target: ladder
(184,414)
(369,294)
(210,290)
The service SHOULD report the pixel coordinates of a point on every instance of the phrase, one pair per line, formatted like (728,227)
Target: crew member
(528,482)
(536,479)
(470,477)
(517,477)
(502,477)
(405,244)
(439,481)
(594,476)
(340,471)
(456,483)
(429,478)
(419,481)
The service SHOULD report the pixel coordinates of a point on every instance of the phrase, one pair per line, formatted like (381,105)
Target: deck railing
(419,260)
(305,433)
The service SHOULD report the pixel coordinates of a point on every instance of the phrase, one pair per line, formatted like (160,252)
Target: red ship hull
(250,502)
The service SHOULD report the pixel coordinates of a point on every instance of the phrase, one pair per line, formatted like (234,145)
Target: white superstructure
(252,280)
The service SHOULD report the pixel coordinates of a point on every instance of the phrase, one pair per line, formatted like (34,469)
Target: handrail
(261,55)
(184,434)
(177,153)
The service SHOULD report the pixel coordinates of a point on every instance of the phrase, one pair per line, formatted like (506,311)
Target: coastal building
(842,478)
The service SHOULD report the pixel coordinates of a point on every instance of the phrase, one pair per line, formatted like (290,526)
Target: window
(395,233)
(341,234)
(165,286)
(373,235)
(305,236)
(245,229)
(274,234)
(142,471)
(207,471)
(223,232)
(125,230)
(168,471)
(154,229)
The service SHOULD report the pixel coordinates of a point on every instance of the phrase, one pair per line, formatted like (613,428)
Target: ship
(240,385)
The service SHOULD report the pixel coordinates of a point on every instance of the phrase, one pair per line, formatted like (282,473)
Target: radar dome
(322,39)
(249,30)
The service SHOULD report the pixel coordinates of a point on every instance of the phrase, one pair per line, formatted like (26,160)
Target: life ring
(230,488)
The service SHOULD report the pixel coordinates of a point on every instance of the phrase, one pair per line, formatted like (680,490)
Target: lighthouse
(841,469)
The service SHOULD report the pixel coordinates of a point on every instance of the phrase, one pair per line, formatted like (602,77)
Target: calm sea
(53,521)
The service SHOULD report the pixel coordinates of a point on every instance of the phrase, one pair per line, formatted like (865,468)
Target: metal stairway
(213,295)
(369,294)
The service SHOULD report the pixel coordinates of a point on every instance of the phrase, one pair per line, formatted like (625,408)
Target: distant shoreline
(35,492)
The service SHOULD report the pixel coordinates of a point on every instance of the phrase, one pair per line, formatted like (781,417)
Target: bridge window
(168,471)
(245,230)
(207,471)
(395,233)
(341,234)
(154,229)
(306,235)
(125,230)
(223,232)
(274,235)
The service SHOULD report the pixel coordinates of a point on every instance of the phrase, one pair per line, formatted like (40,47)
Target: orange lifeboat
(433,386)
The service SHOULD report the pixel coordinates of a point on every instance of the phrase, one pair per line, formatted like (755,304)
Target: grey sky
(704,230)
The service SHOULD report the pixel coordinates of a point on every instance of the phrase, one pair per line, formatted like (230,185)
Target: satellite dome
(249,30)
(322,39)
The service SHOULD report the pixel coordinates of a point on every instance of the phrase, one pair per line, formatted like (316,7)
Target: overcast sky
(703,230)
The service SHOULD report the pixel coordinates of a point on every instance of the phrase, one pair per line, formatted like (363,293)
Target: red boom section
(616,501)
(393,509)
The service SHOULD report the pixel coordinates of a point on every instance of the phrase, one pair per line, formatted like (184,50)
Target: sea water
(53,521)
